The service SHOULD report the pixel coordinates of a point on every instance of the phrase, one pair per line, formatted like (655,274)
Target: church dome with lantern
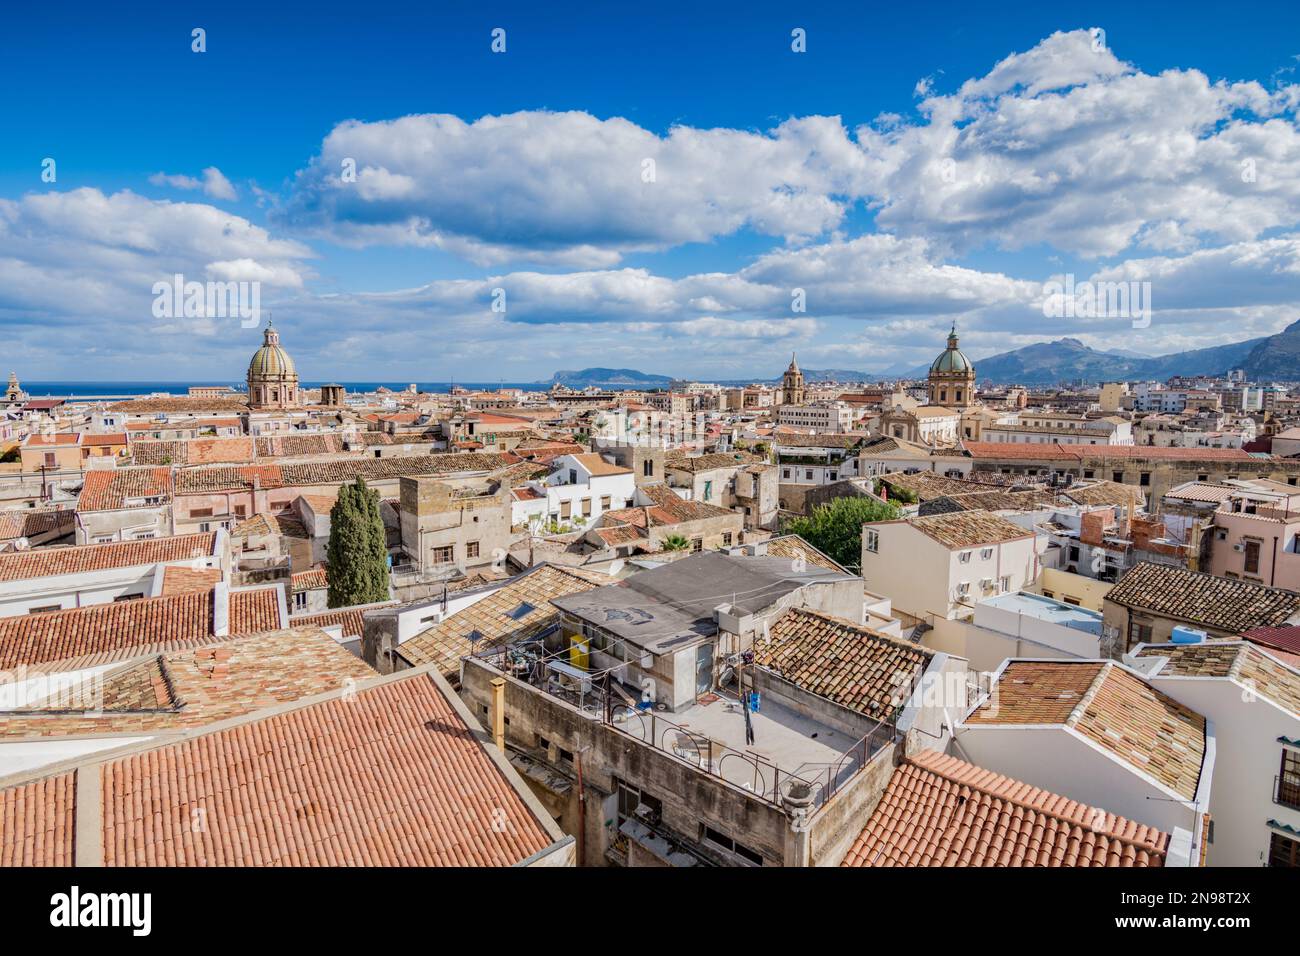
(272,377)
(952,376)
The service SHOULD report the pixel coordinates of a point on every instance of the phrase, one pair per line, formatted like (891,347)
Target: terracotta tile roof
(255,609)
(37,821)
(1054,452)
(696,463)
(1104,493)
(667,508)
(941,811)
(101,628)
(111,490)
(1223,604)
(310,580)
(969,529)
(320,504)
(334,472)
(1239,661)
(299,446)
(193,687)
(194,451)
(202,480)
(621,534)
(843,440)
(22,565)
(792,546)
(515,611)
(390,776)
(926,485)
(350,619)
(64,438)
(159,452)
(1109,705)
(598,466)
(178,579)
(1034,692)
(104,632)
(96,441)
(29,524)
(1029,500)
(854,666)
(264,523)
(179,404)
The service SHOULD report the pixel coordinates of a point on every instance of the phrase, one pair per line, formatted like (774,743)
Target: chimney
(221,609)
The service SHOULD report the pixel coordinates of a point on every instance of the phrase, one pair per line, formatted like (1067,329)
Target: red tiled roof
(390,776)
(29,524)
(37,822)
(178,579)
(1053,451)
(941,811)
(309,580)
(23,565)
(351,619)
(255,609)
(1110,706)
(190,687)
(63,438)
(1283,639)
(107,631)
(109,490)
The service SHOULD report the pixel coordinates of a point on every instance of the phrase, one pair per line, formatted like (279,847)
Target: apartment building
(633,710)
(451,528)
(1097,732)
(829,417)
(573,496)
(938,568)
(1151,600)
(1252,698)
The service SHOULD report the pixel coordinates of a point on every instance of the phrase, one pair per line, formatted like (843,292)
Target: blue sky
(521,171)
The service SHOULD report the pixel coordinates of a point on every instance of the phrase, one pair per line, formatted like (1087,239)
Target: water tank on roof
(1186,635)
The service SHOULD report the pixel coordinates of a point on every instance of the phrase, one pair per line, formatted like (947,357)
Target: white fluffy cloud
(1068,146)
(78,268)
(569,188)
(1189,184)
(1064,144)
(214,183)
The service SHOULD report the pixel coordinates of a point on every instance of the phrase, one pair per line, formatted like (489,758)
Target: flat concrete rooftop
(1048,609)
(795,744)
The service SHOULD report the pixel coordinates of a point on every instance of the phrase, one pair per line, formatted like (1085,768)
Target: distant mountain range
(605,377)
(1065,360)
(1273,357)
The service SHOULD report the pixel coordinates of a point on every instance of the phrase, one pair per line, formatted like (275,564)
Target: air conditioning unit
(1239,547)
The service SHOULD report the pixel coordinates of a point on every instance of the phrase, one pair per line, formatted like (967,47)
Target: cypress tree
(357,555)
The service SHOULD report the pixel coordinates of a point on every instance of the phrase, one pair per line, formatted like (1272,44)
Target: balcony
(1286,791)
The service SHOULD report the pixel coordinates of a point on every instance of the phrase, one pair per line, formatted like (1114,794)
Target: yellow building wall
(1062,585)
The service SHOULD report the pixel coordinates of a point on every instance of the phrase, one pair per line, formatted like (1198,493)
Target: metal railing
(1286,791)
(748,771)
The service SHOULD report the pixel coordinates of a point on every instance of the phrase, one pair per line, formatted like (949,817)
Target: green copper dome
(952,359)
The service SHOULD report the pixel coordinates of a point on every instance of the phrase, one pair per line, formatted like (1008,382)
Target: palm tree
(676,542)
